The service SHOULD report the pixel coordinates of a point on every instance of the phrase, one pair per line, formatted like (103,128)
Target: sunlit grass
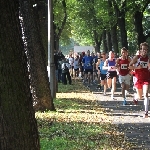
(73,136)
(78,124)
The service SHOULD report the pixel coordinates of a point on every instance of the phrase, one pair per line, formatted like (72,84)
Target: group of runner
(110,68)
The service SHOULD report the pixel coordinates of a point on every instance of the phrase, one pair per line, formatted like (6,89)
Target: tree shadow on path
(129,118)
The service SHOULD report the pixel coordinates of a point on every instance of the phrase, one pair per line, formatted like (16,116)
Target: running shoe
(124,102)
(104,94)
(134,88)
(112,97)
(135,101)
(88,86)
(94,82)
(98,87)
(145,115)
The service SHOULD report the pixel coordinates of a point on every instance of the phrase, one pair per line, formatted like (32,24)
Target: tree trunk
(114,38)
(112,41)
(18,126)
(123,32)
(109,43)
(97,46)
(43,21)
(51,54)
(56,42)
(105,49)
(121,23)
(36,58)
(138,16)
(97,40)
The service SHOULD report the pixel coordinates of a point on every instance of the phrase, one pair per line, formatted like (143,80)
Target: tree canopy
(88,20)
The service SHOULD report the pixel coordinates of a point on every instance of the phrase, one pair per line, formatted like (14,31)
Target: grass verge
(79,123)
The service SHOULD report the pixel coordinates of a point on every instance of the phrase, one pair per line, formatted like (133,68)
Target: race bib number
(124,66)
(144,64)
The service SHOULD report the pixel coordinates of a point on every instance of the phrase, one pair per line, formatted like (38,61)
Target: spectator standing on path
(94,77)
(60,56)
(56,58)
(111,73)
(122,63)
(65,71)
(81,68)
(103,72)
(142,74)
(88,67)
(71,61)
(134,79)
(76,66)
(98,60)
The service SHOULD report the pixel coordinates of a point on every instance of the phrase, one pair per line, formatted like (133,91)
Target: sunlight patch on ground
(73,117)
(86,96)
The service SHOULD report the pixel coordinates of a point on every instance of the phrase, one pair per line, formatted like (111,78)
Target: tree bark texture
(37,59)
(123,32)
(109,43)
(121,22)
(18,126)
(114,38)
(105,49)
(97,40)
(138,16)
(43,21)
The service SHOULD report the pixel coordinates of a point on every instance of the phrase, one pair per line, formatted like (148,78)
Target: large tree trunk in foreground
(18,127)
(36,58)
(43,21)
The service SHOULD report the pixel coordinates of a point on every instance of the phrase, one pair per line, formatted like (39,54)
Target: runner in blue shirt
(94,77)
(103,72)
(88,67)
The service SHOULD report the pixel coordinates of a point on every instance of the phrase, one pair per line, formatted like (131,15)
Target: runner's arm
(117,64)
(97,64)
(132,63)
(130,70)
(105,67)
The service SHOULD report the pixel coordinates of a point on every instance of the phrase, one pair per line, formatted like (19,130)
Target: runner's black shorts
(76,69)
(103,76)
(88,70)
(111,74)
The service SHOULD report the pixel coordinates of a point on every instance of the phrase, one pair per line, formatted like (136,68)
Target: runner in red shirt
(122,64)
(141,66)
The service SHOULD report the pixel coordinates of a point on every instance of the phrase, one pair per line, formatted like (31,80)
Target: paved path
(129,118)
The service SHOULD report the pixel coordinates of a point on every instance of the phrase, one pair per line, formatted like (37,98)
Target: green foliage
(85,21)
(84,17)
(59,14)
(73,136)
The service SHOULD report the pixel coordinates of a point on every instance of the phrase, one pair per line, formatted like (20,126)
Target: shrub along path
(129,118)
